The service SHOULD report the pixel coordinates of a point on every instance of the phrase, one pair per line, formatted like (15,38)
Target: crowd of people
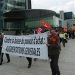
(54,47)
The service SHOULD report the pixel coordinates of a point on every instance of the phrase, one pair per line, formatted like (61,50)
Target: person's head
(2,34)
(52,31)
(21,33)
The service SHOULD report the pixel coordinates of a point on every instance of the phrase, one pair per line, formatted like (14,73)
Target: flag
(45,24)
(39,30)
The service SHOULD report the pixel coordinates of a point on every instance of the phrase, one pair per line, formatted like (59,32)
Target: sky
(55,5)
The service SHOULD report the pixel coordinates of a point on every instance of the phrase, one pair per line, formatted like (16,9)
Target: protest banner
(33,46)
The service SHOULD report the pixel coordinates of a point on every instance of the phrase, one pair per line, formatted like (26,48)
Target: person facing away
(1,54)
(64,38)
(54,51)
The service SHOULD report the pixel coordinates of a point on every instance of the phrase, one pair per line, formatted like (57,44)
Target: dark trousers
(1,56)
(63,41)
(70,36)
(0,53)
(54,64)
(30,61)
(0,50)
(8,57)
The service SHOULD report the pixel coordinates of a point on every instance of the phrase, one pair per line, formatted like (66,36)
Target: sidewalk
(67,59)
(18,65)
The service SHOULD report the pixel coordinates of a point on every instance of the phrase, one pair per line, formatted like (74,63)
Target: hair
(0,33)
(52,29)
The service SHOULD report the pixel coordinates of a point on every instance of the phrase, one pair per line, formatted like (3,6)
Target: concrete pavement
(18,65)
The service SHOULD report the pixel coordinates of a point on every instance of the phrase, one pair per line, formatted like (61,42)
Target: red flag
(39,30)
(45,24)
(42,22)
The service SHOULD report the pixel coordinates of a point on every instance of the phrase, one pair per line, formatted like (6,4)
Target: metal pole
(26,4)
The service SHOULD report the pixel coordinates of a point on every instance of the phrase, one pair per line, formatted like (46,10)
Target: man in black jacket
(54,51)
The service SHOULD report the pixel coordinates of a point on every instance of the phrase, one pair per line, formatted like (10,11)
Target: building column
(26,4)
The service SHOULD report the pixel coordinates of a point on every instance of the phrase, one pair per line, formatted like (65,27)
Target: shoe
(29,66)
(35,59)
(0,63)
(2,60)
(8,61)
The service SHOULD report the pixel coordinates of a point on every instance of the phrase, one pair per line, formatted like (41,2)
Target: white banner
(33,46)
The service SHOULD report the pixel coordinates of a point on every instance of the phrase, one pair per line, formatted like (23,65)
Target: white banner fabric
(33,46)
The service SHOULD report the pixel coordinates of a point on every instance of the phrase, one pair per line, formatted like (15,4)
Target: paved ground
(18,65)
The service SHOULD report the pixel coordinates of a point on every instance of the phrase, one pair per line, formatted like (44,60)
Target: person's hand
(48,44)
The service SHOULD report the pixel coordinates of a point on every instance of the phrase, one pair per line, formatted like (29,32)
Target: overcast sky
(55,5)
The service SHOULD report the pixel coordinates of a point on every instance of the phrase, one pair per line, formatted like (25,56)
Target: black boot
(8,61)
(8,58)
(1,63)
(29,61)
(29,65)
(35,59)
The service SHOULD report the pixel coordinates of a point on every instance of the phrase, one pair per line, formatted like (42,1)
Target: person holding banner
(54,51)
(29,59)
(1,54)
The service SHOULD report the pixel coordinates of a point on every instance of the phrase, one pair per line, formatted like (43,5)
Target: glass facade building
(1,13)
(29,18)
(17,5)
(68,15)
(34,23)
(12,5)
(20,16)
(69,18)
